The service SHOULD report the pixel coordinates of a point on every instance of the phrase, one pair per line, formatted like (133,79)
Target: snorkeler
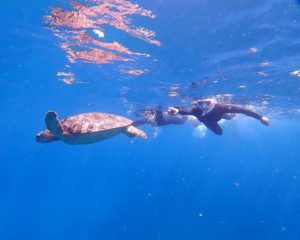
(157,118)
(209,112)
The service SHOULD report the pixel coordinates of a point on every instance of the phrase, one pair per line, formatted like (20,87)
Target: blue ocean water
(179,183)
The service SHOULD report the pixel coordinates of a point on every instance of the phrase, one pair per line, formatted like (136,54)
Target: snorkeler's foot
(265,121)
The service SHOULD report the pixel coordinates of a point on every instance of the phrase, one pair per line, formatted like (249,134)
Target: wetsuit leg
(214,126)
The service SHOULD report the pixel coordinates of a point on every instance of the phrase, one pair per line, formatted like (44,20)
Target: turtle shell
(89,123)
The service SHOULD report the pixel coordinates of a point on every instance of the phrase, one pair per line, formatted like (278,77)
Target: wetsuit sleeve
(237,109)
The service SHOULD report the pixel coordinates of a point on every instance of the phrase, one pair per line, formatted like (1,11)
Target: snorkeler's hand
(173,110)
(265,121)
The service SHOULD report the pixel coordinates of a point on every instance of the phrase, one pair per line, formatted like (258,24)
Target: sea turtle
(86,128)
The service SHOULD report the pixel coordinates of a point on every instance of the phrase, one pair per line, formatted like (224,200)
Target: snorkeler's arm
(228,108)
(179,110)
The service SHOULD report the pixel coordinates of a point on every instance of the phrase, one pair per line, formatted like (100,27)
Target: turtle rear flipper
(52,124)
(132,131)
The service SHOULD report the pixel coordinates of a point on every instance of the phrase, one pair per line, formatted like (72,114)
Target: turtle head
(45,137)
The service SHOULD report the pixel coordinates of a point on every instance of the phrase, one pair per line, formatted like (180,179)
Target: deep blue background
(243,185)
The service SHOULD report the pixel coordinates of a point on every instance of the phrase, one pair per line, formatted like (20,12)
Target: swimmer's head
(145,112)
(148,115)
(205,102)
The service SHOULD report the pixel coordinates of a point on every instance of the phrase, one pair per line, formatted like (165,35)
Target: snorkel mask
(206,105)
(148,115)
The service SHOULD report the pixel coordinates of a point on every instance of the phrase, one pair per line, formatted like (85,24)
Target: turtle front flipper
(53,124)
(132,131)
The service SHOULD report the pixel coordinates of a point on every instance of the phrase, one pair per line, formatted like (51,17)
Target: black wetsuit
(160,118)
(210,120)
